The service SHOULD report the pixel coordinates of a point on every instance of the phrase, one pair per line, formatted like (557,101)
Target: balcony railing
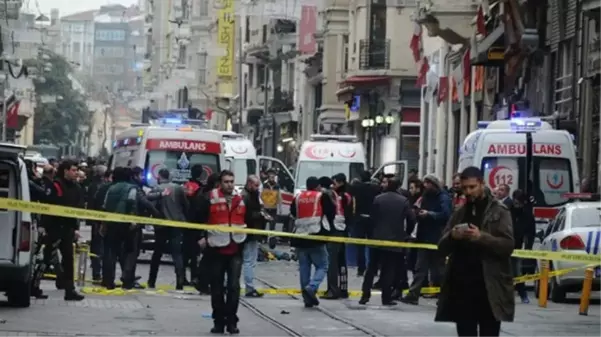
(374,54)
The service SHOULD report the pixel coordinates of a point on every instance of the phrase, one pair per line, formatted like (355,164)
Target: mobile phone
(462,226)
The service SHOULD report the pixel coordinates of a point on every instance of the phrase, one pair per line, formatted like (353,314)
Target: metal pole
(4,99)
(265,105)
(240,79)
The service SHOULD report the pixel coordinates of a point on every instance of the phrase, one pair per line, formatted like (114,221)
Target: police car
(575,229)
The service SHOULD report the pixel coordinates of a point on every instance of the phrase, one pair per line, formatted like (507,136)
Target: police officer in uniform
(225,208)
(313,211)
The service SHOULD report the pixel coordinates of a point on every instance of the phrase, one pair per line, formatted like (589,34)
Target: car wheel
(19,295)
(557,293)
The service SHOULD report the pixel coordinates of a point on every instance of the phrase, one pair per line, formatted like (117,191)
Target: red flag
(12,115)
(423,71)
(443,89)
(467,68)
(480,23)
(208,114)
(415,43)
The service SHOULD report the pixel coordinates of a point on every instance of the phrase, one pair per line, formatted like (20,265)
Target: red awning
(366,79)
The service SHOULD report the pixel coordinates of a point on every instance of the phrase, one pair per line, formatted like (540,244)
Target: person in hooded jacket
(200,215)
(190,249)
(432,216)
(364,193)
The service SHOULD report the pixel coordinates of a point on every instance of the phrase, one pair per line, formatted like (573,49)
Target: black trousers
(479,328)
(97,248)
(337,270)
(119,246)
(387,262)
(225,300)
(190,252)
(362,230)
(428,262)
(174,236)
(203,280)
(61,238)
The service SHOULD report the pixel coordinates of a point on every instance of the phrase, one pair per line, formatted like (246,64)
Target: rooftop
(81,16)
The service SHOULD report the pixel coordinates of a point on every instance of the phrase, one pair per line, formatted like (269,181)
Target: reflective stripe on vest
(309,213)
(339,221)
(222,215)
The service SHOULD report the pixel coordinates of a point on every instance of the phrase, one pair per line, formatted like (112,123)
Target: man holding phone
(477,292)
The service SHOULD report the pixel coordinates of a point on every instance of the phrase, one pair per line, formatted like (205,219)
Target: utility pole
(241,58)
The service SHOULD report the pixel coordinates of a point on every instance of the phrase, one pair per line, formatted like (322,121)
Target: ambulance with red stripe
(549,169)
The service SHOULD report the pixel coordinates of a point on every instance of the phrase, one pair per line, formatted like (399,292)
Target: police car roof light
(526,124)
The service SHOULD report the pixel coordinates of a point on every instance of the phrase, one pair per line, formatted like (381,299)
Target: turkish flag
(415,42)
(208,114)
(443,89)
(423,71)
(467,68)
(12,115)
(480,22)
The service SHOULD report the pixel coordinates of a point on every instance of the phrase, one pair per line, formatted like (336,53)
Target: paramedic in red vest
(313,212)
(224,251)
(65,192)
(337,272)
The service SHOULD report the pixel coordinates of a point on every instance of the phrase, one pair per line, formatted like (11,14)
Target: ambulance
(173,144)
(241,158)
(525,152)
(327,155)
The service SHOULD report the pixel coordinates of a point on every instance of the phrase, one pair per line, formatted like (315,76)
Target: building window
(411,95)
(247,29)
(110,35)
(260,74)
(182,55)
(377,22)
(345,55)
(291,78)
(185,10)
(202,68)
(251,75)
(203,8)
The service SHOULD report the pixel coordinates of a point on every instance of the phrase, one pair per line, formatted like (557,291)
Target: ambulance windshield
(550,177)
(242,168)
(319,169)
(179,164)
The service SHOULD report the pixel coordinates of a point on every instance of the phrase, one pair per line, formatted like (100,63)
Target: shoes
(329,296)
(38,294)
(232,329)
(389,303)
(309,296)
(410,299)
(218,328)
(254,293)
(364,300)
(73,296)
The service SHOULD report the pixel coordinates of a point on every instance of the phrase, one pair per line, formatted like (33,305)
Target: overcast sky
(72,6)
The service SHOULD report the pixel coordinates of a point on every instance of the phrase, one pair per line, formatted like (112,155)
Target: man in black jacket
(254,218)
(390,212)
(65,192)
(96,181)
(364,193)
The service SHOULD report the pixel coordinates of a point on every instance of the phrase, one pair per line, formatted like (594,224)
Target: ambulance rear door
(398,167)
(285,180)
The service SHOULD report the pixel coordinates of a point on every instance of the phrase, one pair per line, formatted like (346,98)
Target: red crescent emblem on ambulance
(316,152)
(154,170)
(237,149)
(347,153)
(553,185)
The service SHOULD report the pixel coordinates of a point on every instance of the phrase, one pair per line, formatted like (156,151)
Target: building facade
(77,39)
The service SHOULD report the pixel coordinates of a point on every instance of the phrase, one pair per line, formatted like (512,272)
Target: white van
(327,155)
(17,230)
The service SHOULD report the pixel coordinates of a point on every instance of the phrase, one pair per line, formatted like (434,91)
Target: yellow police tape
(84,214)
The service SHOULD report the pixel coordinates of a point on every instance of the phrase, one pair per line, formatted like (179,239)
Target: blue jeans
(249,260)
(308,257)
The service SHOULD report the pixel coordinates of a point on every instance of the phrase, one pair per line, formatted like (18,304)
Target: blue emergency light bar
(483,124)
(526,124)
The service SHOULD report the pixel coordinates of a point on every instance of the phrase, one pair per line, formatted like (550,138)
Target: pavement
(173,313)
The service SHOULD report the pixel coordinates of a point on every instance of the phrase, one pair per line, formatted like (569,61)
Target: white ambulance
(170,144)
(241,158)
(500,150)
(327,155)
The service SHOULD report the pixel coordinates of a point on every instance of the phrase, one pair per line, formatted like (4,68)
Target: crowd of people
(474,228)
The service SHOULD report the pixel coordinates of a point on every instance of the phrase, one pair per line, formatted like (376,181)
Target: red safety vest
(191,187)
(309,213)
(228,216)
(339,220)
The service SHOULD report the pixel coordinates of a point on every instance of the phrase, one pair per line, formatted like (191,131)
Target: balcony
(374,54)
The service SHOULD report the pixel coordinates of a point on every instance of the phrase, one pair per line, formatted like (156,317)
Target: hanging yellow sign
(226,38)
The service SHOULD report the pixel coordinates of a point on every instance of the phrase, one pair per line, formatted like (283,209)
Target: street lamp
(367,123)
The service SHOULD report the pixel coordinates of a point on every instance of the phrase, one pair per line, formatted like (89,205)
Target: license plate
(598,272)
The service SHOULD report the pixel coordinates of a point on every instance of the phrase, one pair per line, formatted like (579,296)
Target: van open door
(10,180)
(285,180)
(399,168)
